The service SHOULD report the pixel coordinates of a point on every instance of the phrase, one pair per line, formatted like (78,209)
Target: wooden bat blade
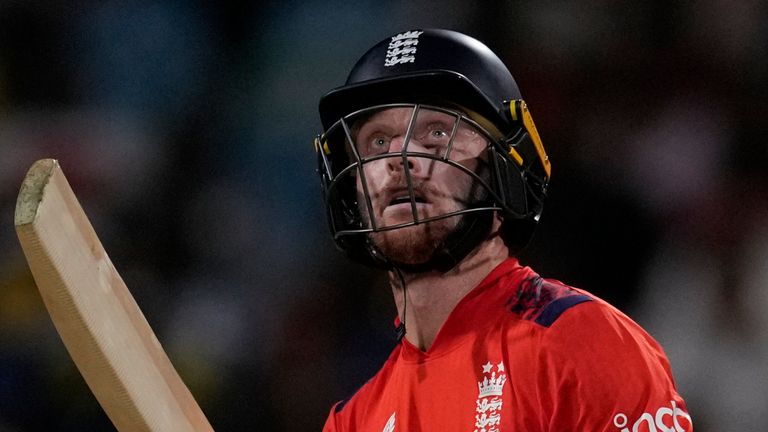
(96,316)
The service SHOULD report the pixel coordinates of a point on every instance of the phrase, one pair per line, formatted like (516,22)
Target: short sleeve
(608,374)
(330,422)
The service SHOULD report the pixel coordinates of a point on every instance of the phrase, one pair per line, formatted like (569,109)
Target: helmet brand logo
(402,48)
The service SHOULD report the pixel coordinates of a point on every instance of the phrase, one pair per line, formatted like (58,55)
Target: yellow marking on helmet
(516,156)
(320,142)
(534,134)
(513,110)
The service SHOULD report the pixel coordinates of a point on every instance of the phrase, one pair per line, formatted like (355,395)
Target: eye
(439,133)
(379,142)
(376,144)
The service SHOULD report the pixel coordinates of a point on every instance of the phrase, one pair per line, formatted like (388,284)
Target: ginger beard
(416,244)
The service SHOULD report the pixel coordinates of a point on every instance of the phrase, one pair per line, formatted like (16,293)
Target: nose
(396,163)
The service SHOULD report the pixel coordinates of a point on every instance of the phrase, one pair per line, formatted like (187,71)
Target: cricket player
(432,170)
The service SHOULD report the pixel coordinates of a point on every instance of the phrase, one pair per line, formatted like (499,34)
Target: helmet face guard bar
(497,173)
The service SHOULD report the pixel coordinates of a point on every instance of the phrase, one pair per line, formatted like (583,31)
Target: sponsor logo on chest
(666,419)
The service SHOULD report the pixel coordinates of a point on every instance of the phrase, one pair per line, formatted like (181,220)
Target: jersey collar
(474,312)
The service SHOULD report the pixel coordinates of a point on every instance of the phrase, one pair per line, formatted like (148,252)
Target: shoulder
(572,323)
(579,336)
(600,367)
(543,301)
(576,324)
(344,413)
(573,329)
(597,360)
(576,328)
(566,311)
(599,330)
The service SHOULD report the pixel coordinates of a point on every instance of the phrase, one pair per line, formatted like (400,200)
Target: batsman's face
(436,186)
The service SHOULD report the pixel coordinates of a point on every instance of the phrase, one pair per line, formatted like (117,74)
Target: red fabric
(522,354)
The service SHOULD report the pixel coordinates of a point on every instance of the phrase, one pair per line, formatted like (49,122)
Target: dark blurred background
(185,128)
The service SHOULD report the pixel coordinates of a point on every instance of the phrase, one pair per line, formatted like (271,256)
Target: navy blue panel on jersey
(553,310)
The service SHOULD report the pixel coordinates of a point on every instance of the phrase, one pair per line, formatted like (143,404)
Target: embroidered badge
(390,426)
(402,48)
(490,391)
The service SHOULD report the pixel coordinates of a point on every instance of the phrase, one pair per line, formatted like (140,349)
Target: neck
(429,297)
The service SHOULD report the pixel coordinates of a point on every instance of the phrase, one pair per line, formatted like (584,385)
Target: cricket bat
(96,316)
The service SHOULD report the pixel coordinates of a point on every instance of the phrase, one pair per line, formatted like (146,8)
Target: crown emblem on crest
(492,386)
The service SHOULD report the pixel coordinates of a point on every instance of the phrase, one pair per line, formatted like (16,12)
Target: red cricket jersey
(522,354)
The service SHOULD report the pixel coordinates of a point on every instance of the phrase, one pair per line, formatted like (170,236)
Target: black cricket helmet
(449,73)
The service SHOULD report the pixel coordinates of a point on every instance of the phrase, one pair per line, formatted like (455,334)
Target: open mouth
(406,199)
